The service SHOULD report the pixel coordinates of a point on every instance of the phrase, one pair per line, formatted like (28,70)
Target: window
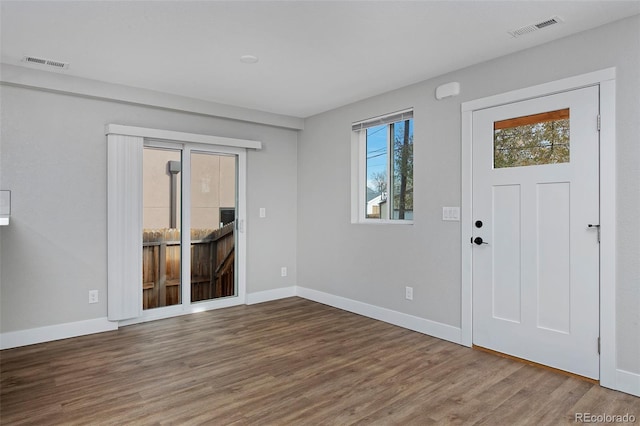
(382,185)
(532,140)
(227,215)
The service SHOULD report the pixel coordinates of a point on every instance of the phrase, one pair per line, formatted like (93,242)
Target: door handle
(591,225)
(478,241)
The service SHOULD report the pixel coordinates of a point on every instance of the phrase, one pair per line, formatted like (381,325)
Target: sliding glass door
(190,237)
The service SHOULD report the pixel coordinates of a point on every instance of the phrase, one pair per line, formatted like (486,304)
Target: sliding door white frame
(125,200)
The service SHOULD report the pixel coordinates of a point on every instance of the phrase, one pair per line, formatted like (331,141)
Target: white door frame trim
(606,81)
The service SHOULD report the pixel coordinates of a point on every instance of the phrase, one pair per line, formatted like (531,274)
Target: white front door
(536,257)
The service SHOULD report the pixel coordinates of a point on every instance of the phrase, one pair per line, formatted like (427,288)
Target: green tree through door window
(532,140)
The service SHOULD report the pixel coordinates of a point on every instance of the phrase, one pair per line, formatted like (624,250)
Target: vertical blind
(124,226)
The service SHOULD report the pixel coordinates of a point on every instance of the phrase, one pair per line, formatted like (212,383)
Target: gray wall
(53,158)
(373,264)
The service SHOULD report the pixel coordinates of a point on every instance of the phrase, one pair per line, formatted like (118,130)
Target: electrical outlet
(93,296)
(263,212)
(408,293)
(283,271)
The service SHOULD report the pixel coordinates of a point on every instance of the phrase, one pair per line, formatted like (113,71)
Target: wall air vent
(537,26)
(46,62)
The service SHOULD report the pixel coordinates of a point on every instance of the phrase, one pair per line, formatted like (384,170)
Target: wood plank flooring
(288,362)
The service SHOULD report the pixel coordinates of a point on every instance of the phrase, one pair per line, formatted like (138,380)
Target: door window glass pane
(161,284)
(532,140)
(213,190)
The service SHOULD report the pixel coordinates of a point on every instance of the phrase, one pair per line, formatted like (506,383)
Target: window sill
(4,220)
(383,222)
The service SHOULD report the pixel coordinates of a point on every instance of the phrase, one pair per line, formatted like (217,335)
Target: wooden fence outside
(212,265)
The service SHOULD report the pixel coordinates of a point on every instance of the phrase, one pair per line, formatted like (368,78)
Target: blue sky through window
(377,147)
(376,153)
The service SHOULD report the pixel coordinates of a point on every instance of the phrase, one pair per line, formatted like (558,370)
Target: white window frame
(359,168)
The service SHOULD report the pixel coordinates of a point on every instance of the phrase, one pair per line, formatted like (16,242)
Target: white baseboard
(421,325)
(625,381)
(268,295)
(14,339)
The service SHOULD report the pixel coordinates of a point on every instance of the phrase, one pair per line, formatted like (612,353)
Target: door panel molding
(605,79)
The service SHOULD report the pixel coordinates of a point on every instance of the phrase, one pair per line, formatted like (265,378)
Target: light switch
(263,212)
(451,213)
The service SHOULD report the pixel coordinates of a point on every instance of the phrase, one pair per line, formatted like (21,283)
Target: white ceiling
(313,55)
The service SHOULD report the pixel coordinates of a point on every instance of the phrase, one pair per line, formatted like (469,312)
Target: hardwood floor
(288,362)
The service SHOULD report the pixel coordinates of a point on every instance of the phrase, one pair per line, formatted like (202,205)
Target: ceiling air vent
(537,26)
(46,62)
